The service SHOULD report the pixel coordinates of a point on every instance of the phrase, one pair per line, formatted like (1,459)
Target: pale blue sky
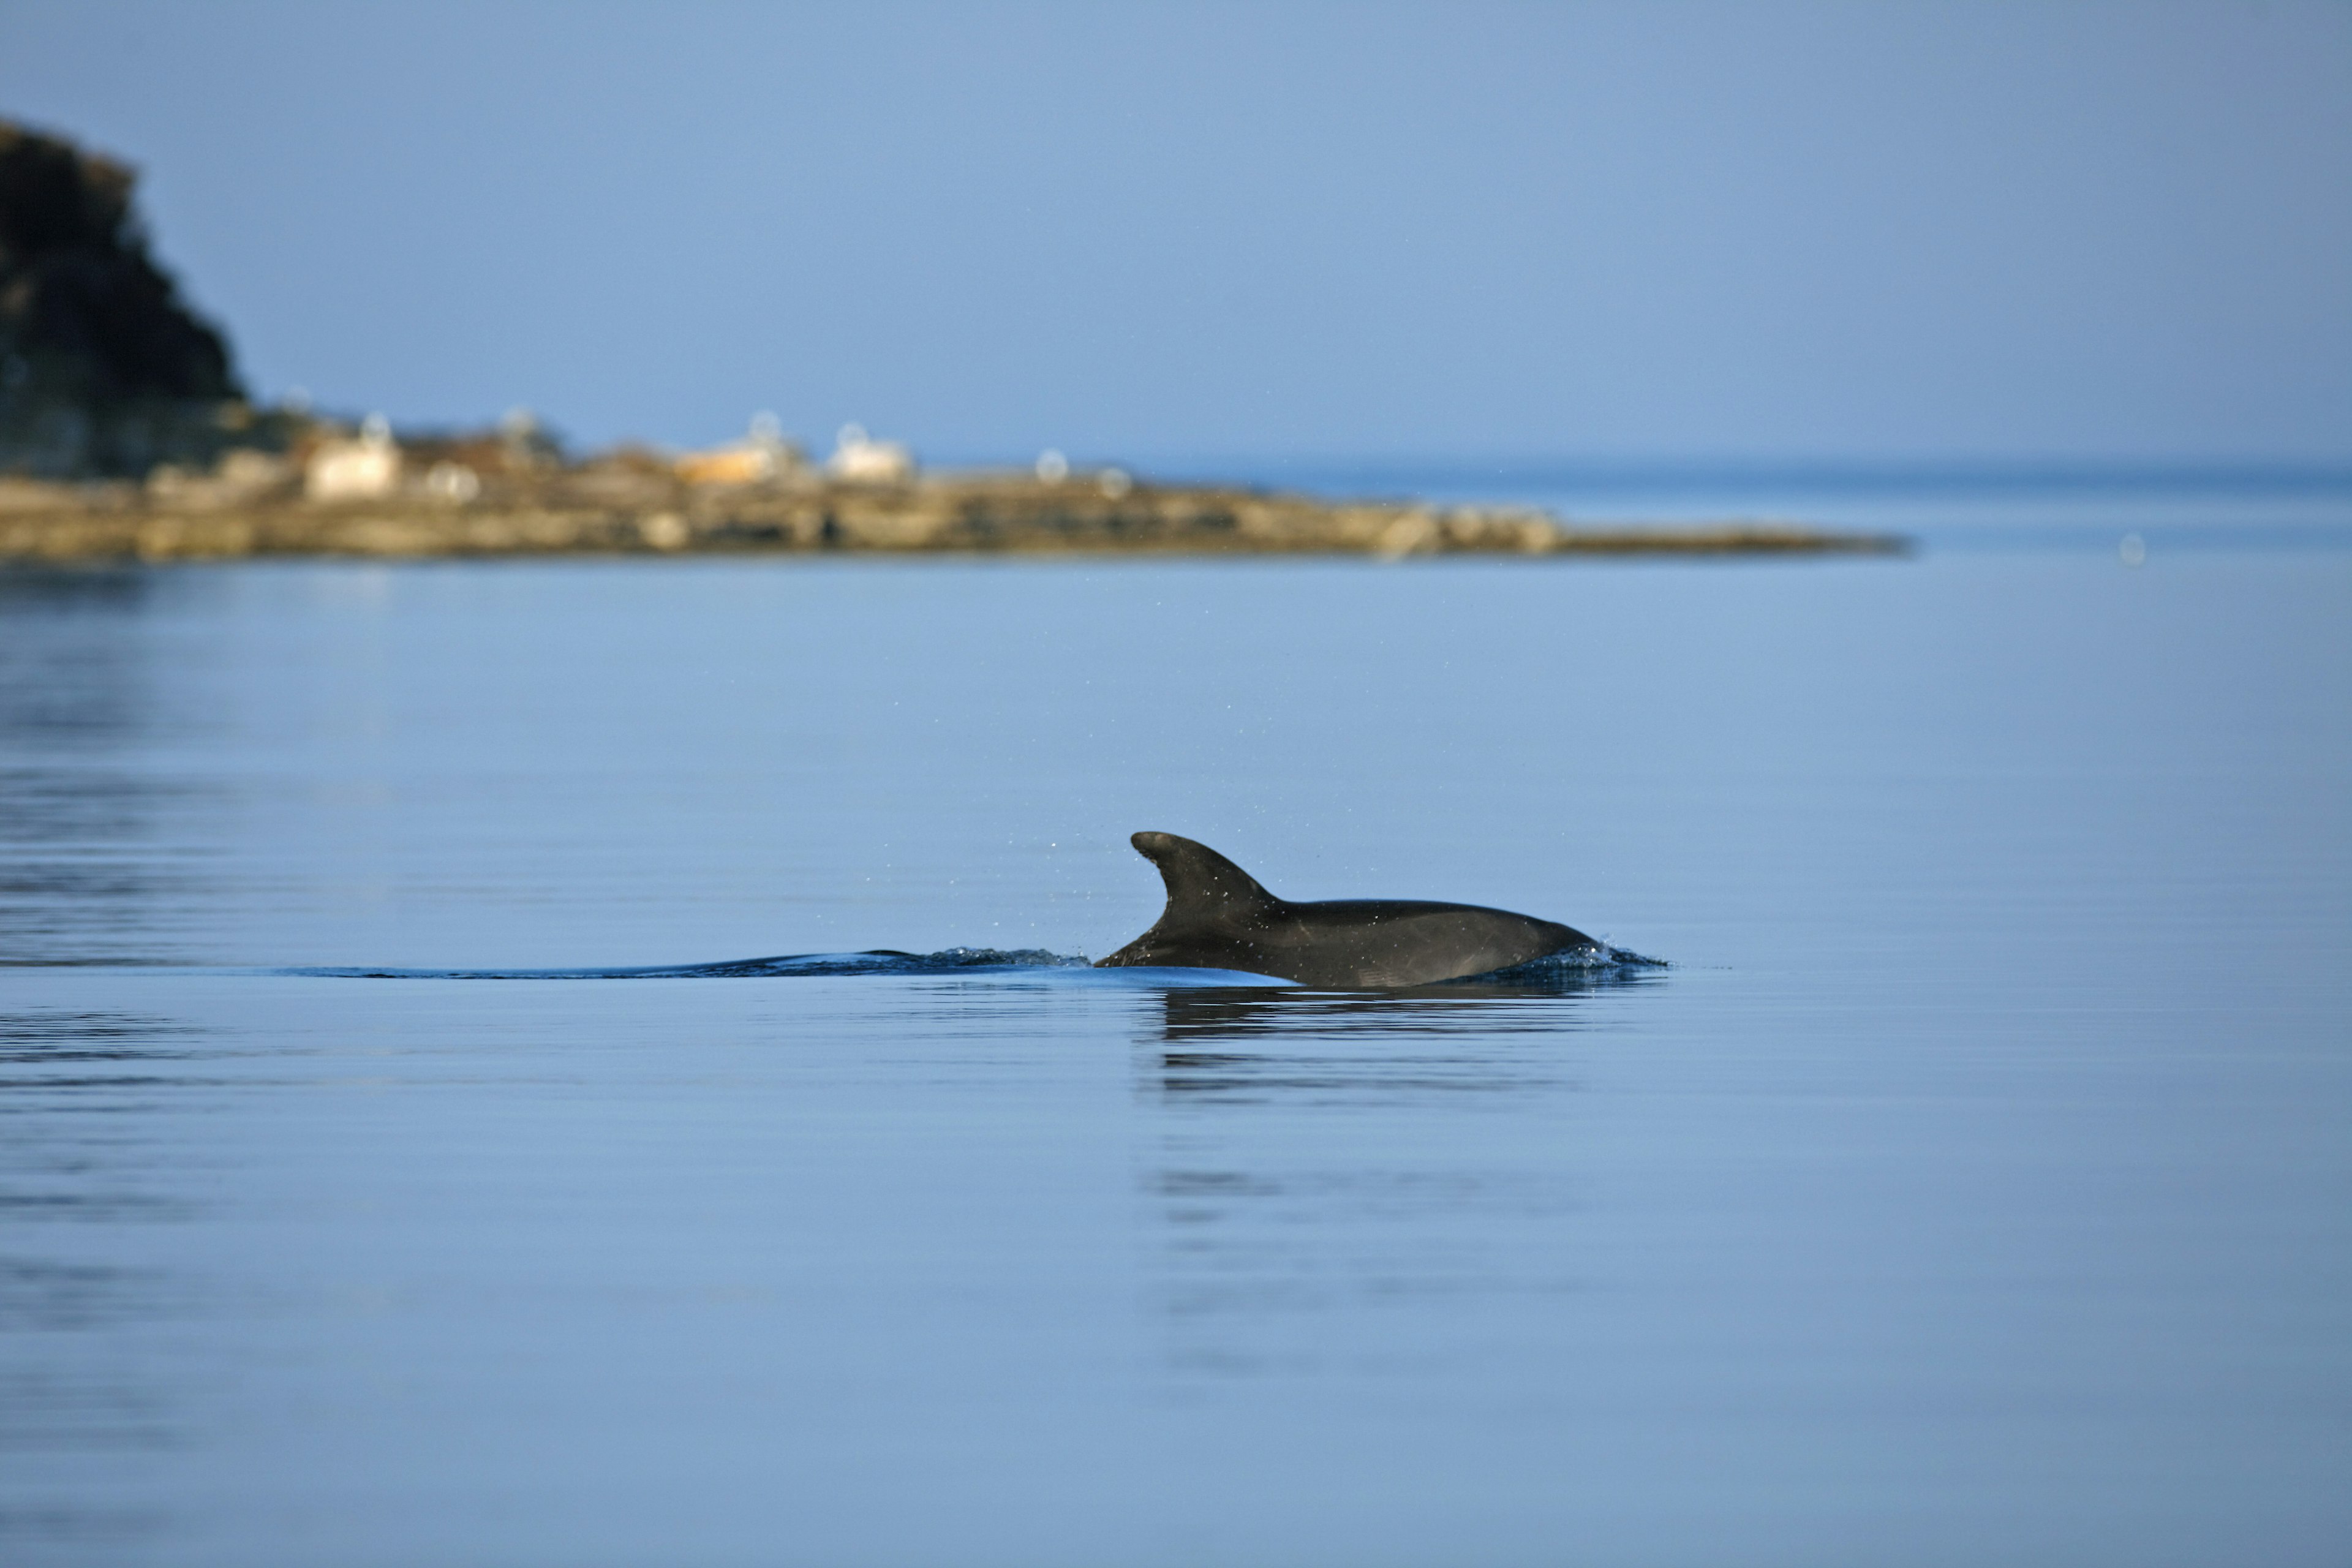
(1457,231)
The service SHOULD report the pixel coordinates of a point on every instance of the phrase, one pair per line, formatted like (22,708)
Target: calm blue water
(1976,1186)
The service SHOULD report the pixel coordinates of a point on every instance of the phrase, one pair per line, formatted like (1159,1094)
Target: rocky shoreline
(595,510)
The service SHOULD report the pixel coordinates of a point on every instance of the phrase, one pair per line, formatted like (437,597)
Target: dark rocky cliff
(103,368)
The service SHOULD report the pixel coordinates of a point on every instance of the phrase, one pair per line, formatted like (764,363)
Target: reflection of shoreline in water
(83,878)
(1290,1215)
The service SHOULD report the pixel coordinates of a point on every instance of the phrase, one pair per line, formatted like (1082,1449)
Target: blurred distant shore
(370,496)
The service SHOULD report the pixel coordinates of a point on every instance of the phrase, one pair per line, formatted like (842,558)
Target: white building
(858,457)
(365,469)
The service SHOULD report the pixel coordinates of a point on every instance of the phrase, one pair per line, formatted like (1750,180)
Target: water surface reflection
(1544,1005)
(84,857)
(1341,1178)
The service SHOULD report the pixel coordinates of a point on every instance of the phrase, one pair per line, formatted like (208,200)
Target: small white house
(858,457)
(367,468)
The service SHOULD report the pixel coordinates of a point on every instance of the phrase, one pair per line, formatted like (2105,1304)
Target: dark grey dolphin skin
(1219,918)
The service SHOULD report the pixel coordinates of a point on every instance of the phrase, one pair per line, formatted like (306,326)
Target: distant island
(126,435)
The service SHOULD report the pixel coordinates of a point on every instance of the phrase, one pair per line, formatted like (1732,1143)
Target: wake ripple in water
(883,961)
(953,960)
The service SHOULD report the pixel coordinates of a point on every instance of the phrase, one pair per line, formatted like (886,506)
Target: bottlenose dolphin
(1219,918)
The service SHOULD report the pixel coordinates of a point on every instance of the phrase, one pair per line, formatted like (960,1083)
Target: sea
(592,1062)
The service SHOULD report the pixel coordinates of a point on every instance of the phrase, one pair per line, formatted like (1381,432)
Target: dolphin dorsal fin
(1203,885)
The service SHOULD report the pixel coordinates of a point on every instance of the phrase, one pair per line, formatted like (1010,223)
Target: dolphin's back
(1218,917)
(1350,942)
